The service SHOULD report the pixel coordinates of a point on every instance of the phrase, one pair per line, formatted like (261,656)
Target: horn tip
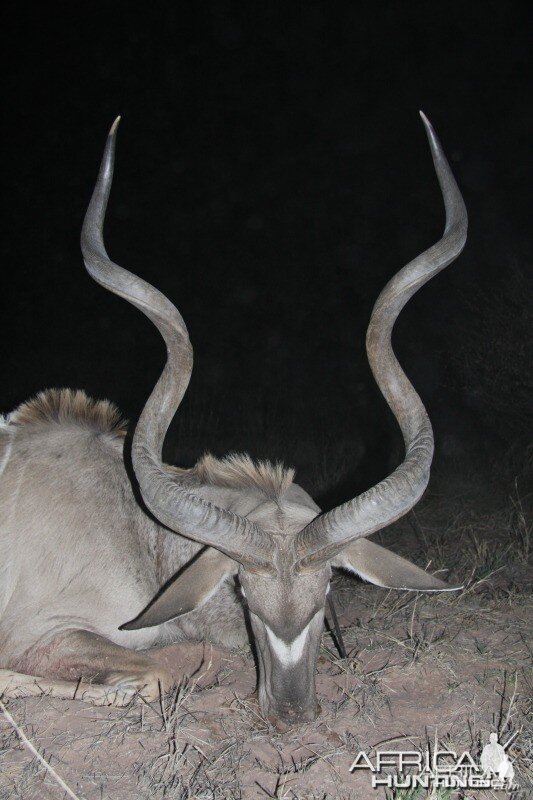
(114,126)
(427,125)
(431,134)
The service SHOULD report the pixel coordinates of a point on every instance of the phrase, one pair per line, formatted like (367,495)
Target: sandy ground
(450,666)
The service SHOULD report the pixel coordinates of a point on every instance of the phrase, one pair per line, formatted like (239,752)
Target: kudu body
(88,578)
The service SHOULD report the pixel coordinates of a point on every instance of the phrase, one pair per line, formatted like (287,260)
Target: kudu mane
(70,407)
(67,407)
(238,470)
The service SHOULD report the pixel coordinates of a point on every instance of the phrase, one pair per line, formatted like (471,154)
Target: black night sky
(272,174)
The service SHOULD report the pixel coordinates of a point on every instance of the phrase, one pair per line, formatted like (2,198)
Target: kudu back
(89,579)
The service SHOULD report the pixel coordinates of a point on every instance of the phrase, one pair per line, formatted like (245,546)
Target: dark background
(272,174)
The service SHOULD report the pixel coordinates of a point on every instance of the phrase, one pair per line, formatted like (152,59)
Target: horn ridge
(174,505)
(394,496)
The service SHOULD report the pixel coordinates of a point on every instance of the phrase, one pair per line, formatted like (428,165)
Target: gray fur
(73,536)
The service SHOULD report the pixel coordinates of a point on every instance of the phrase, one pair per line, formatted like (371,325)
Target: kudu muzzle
(287,671)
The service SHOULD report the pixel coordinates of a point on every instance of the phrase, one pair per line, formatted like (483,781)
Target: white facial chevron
(288,653)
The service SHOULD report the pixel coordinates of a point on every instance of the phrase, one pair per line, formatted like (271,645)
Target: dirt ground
(449,667)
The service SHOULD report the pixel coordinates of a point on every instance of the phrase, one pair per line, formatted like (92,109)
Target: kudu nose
(283,717)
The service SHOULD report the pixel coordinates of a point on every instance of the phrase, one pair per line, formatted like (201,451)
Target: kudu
(89,578)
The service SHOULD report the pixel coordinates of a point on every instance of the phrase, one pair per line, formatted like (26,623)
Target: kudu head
(283,552)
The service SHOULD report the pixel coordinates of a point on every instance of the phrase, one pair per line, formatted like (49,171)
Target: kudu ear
(380,566)
(194,586)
